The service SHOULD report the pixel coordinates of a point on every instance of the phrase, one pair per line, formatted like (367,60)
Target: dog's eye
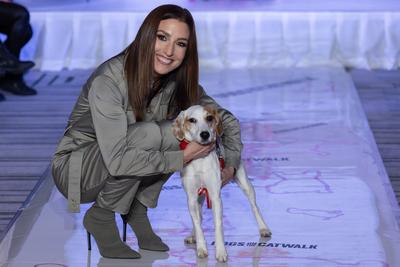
(209,118)
(192,120)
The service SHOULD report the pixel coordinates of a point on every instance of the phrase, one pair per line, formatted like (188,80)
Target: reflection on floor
(310,155)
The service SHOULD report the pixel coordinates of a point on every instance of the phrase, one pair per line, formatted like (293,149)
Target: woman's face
(171,44)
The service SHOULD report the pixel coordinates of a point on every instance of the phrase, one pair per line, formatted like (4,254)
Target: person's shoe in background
(10,64)
(16,87)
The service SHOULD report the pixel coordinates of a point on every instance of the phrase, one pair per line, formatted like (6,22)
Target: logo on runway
(266,159)
(266,244)
(171,187)
(49,265)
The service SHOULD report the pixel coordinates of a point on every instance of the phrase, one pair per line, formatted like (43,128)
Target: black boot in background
(16,85)
(10,64)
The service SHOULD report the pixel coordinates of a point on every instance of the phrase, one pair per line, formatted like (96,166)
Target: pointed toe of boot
(154,246)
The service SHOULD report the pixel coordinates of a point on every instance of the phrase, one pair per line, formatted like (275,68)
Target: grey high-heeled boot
(140,224)
(101,224)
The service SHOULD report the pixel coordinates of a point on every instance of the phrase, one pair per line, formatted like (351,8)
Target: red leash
(203,190)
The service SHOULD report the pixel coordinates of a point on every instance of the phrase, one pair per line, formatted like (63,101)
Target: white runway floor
(318,176)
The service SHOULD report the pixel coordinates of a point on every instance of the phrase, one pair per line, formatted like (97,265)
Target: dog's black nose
(204,135)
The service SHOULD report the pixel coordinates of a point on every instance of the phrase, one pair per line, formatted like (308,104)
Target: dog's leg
(199,235)
(194,210)
(214,190)
(242,180)
(191,239)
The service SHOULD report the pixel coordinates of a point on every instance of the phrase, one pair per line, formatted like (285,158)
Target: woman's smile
(164,60)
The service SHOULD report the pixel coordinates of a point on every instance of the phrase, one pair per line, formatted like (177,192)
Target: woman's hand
(227,175)
(194,151)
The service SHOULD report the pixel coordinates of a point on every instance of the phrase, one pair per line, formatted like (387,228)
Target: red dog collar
(183,144)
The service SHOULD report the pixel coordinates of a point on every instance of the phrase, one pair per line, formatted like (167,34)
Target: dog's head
(199,124)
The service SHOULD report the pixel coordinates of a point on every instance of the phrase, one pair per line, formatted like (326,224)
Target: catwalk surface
(318,176)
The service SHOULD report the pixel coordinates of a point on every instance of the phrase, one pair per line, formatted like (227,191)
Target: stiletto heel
(101,224)
(89,241)
(125,222)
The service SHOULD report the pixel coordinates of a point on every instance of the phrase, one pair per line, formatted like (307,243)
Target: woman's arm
(110,123)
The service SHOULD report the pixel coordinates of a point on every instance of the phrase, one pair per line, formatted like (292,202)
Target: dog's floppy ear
(177,126)
(220,129)
(218,122)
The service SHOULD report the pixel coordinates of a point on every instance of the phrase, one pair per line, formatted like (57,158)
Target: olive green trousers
(116,193)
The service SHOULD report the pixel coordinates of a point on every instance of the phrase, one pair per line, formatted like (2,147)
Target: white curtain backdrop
(226,39)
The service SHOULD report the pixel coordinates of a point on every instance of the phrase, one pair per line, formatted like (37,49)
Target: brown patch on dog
(177,127)
(217,122)
(186,124)
(180,126)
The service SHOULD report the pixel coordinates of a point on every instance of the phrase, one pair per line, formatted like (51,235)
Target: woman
(118,148)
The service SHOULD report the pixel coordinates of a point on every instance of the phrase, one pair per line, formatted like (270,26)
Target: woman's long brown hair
(139,65)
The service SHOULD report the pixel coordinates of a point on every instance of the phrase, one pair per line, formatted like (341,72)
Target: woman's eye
(182,44)
(161,37)
(209,118)
(192,120)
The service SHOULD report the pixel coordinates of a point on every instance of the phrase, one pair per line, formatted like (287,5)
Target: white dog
(203,125)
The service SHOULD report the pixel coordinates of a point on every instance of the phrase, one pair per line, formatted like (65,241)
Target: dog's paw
(265,233)
(221,255)
(190,240)
(202,253)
